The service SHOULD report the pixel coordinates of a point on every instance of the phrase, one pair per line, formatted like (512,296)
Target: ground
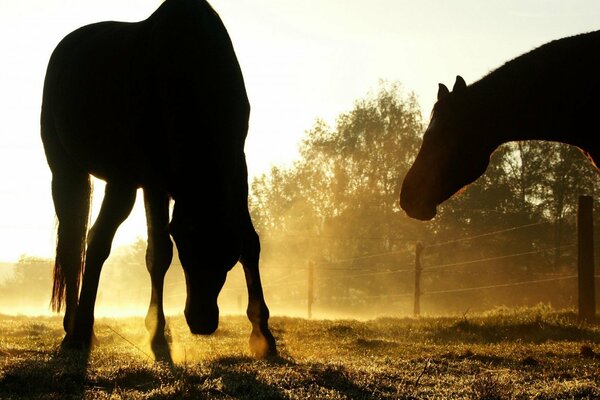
(505,354)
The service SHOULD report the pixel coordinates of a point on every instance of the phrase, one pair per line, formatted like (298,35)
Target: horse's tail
(72,201)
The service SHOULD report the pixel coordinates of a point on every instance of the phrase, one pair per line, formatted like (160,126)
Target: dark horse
(159,105)
(551,93)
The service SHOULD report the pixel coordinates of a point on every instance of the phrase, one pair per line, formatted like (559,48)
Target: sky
(301,60)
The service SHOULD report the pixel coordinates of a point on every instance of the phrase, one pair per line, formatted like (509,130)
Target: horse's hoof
(79,342)
(161,349)
(262,345)
(76,345)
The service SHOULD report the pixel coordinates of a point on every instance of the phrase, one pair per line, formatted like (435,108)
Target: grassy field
(506,354)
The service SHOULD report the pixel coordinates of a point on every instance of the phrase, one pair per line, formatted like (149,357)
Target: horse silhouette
(160,105)
(550,93)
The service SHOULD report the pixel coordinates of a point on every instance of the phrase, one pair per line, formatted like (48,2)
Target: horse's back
(133,99)
(96,96)
(561,80)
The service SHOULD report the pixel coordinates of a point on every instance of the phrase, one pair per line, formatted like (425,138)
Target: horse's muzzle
(204,321)
(417,209)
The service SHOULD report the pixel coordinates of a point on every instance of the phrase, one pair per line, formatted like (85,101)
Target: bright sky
(301,60)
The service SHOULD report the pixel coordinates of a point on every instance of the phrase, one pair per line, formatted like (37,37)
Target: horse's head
(452,155)
(205,259)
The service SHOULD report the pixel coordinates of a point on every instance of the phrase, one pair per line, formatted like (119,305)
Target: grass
(505,354)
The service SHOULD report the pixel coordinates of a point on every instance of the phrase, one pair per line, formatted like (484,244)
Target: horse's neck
(507,111)
(541,95)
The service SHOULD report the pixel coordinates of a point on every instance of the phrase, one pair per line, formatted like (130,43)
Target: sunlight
(133,227)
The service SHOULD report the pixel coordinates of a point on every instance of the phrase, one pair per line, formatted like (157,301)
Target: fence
(414,281)
(315,278)
(584,275)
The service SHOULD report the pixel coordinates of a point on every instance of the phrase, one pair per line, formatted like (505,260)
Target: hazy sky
(301,60)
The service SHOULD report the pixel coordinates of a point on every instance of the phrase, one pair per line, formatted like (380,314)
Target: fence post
(418,269)
(585,259)
(311,279)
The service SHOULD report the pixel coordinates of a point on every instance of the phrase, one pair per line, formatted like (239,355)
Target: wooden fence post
(311,282)
(585,259)
(418,269)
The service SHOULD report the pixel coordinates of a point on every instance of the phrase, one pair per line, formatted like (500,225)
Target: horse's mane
(432,111)
(551,64)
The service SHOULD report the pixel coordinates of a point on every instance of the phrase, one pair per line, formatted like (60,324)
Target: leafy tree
(570,176)
(340,200)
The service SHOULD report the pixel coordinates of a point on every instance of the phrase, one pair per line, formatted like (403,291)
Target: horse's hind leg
(262,342)
(159,255)
(71,192)
(116,206)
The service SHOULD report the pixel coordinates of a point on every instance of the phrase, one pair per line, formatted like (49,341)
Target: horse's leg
(71,192)
(116,206)
(262,342)
(159,255)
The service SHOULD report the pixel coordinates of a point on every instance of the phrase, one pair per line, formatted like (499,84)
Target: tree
(569,176)
(340,200)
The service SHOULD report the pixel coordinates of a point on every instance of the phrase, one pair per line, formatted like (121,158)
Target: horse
(160,105)
(549,93)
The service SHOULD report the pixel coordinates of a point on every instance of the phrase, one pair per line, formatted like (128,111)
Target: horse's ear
(459,85)
(442,91)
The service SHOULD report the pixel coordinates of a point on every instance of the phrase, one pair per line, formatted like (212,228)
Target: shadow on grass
(338,379)
(467,331)
(60,374)
(242,379)
(65,375)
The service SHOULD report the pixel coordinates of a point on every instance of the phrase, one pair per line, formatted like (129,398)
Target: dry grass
(507,354)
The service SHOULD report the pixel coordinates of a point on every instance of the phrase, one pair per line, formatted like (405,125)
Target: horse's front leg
(159,255)
(262,342)
(116,206)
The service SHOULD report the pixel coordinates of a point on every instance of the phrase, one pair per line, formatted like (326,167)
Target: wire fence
(328,271)
(329,283)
